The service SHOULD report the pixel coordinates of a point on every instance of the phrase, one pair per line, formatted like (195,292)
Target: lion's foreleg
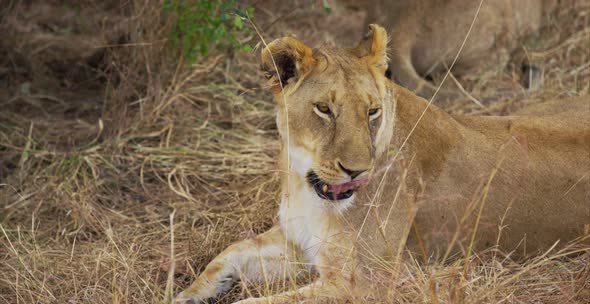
(335,263)
(264,258)
(317,292)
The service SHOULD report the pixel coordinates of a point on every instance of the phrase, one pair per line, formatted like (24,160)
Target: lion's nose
(351,173)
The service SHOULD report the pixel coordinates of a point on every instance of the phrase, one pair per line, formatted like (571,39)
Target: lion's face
(333,118)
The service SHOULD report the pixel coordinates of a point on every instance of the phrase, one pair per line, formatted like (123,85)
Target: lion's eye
(323,108)
(374,113)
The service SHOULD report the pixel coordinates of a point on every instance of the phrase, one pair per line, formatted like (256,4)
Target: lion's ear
(373,47)
(284,59)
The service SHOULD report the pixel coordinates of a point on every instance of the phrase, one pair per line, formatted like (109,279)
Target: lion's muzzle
(334,192)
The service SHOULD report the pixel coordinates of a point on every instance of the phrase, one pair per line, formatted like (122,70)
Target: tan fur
(457,179)
(427,34)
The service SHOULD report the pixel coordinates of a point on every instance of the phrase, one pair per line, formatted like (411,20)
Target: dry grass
(114,155)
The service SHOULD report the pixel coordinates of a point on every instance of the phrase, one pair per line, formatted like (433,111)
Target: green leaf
(327,6)
(25,155)
(238,22)
(246,48)
(167,6)
(250,11)
(200,26)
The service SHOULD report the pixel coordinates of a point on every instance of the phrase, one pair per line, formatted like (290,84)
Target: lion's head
(335,114)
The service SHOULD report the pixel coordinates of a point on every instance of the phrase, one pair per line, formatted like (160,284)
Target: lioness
(364,160)
(427,35)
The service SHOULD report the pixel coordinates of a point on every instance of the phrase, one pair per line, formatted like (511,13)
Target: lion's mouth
(332,192)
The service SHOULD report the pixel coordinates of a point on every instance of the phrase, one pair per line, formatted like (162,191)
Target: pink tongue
(336,189)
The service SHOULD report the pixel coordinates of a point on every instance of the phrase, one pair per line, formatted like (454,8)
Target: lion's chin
(325,190)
